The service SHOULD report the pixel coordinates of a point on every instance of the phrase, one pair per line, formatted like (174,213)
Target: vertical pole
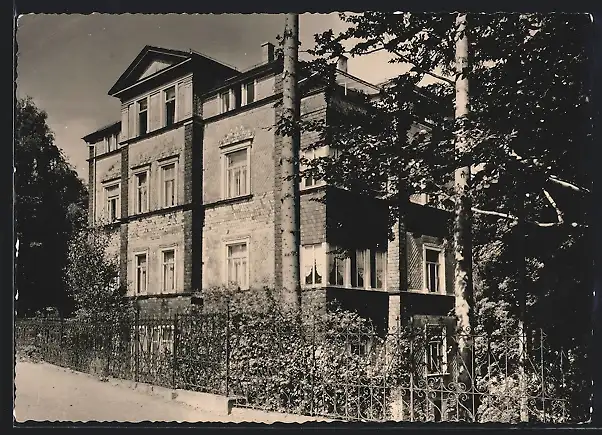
(136,342)
(463,217)
(412,367)
(290,167)
(313,364)
(227,347)
(175,352)
(520,258)
(543,381)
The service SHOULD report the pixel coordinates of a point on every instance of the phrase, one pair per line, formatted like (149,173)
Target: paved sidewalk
(45,392)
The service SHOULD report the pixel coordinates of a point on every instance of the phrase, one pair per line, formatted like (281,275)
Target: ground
(48,393)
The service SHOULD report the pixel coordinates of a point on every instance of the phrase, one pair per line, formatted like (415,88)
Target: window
(141,201)
(224,101)
(377,269)
(141,274)
(168,270)
(113,203)
(248,92)
(111,143)
(237,96)
(237,269)
(432,276)
(359,268)
(338,267)
(312,262)
(436,352)
(170,105)
(168,182)
(237,177)
(142,116)
(309,155)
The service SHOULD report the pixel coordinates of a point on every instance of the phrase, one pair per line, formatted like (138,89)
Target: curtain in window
(237,264)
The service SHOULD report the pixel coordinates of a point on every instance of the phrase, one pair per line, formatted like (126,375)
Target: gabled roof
(148,62)
(152,60)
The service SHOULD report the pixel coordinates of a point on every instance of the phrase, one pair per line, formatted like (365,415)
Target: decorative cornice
(236,135)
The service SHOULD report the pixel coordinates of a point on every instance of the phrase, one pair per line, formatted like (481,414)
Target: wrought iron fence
(344,371)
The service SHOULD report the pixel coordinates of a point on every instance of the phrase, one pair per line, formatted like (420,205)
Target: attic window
(248,93)
(224,101)
(170,105)
(142,116)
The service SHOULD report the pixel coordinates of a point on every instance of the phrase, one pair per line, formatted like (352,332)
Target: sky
(67,63)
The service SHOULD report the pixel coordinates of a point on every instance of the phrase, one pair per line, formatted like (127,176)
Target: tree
(290,166)
(92,277)
(529,130)
(50,206)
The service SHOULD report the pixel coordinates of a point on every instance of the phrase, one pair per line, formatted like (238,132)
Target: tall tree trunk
(290,167)
(463,290)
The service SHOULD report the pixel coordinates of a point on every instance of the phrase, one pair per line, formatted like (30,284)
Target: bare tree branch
(564,183)
(559,213)
(554,178)
(494,213)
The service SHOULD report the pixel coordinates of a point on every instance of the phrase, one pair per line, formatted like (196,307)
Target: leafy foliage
(91,278)
(529,131)
(50,206)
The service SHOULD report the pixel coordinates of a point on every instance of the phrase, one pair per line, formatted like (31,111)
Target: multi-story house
(189,183)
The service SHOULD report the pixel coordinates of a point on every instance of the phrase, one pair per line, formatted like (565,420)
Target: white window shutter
(132,121)
(184,100)
(155,111)
(124,134)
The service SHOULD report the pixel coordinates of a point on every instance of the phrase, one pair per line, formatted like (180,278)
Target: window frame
(233,242)
(162,252)
(221,100)
(135,175)
(315,153)
(139,112)
(332,254)
(348,262)
(165,102)
(353,269)
(162,167)
(443,349)
(244,92)
(106,187)
(111,139)
(136,281)
(441,278)
(230,149)
(305,249)
(375,253)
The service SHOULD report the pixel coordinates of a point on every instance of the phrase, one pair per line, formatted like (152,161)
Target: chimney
(342,64)
(267,52)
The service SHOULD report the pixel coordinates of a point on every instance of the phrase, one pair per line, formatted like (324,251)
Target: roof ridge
(192,51)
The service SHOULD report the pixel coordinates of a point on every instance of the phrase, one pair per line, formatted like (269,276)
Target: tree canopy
(50,206)
(529,134)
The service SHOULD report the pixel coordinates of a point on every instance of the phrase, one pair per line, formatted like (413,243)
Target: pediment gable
(154,67)
(149,61)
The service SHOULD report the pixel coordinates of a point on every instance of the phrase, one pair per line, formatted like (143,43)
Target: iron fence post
(312,379)
(227,346)
(412,366)
(543,383)
(175,350)
(137,343)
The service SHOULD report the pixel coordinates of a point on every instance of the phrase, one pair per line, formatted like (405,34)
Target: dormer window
(142,116)
(170,105)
